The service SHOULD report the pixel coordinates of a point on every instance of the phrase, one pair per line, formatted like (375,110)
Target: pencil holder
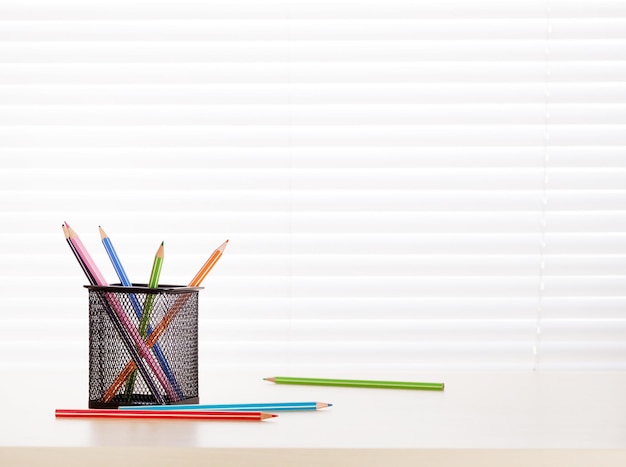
(143,345)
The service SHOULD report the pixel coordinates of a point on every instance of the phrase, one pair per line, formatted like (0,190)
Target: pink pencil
(119,311)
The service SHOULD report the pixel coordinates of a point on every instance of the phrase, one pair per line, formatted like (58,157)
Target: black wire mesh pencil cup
(143,345)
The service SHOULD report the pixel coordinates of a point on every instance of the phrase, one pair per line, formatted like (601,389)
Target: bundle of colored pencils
(139,341)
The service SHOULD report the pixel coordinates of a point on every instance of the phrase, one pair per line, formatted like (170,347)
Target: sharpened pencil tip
(267,415)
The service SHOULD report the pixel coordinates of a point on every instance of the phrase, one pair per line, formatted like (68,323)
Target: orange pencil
(167,319)
(206,267)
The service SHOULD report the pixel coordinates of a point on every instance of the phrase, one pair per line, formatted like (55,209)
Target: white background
(405,185)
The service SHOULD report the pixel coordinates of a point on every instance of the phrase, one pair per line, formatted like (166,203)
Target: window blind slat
(321,72)
(398,9)
(280,29)
(331,158)
(312,136)
(418,201)
(361,95)
(441,181)
(318,115)
(304,51)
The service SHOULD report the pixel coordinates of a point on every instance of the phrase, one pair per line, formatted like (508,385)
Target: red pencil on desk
(163,415)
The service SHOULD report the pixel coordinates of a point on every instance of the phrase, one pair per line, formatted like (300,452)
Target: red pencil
(163,415)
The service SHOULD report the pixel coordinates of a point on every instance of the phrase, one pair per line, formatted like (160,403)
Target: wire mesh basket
(143,345)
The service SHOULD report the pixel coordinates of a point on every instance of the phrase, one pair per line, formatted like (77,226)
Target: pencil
(143,349)
(153,283)
(125,281)
(261,407)
(356,383)
(121,329)
(88,273)
(115,260)
(163,415)
(167,319)
(208,265)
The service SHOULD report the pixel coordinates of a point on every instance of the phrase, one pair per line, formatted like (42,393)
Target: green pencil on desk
(356,383)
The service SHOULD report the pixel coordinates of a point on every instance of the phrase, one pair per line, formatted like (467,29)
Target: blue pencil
(121,273)
(258,407)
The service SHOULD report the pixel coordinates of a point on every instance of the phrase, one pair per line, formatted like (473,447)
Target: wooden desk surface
(568,417)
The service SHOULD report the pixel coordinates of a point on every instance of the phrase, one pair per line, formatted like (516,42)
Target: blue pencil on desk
(254,407)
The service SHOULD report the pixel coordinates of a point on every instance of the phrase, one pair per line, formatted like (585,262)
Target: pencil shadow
(142,432)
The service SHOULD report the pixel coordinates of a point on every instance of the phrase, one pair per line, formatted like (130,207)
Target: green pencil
(157,265)
(356,383)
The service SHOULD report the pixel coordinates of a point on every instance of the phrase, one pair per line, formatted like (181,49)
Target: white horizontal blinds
(405,185)
(567,336)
